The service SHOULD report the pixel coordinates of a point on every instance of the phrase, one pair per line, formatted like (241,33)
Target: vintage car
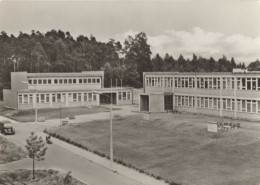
(6,127)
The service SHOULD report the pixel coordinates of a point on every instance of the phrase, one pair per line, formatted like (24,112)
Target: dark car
(6,127)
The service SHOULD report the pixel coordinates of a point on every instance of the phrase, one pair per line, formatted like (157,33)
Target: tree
(36,148)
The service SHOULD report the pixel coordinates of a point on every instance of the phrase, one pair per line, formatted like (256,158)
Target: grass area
(29,115)
(10,152)
(42,177)
(177,147)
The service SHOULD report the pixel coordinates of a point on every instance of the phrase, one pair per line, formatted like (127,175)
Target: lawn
(10,152)
(42,177)
(29,115)
(177,147)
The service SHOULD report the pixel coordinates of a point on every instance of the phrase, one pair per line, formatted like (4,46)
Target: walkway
(86,166)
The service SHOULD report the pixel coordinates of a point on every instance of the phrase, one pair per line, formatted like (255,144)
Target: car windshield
(8,125)
(8,130)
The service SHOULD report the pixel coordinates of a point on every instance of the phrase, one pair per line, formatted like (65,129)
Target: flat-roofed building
(53,90)
(234,95)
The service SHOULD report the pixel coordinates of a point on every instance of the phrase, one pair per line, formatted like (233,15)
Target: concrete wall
(17,79)
(136,95)
(10,98)
(156,103)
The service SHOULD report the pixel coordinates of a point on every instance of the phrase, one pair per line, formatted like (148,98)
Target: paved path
(85,166)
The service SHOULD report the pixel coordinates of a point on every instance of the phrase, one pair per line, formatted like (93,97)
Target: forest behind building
(57,51)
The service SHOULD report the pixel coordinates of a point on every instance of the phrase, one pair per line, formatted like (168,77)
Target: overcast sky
(204,27)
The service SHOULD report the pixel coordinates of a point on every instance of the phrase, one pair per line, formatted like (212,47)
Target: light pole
(111,131)
(35,100)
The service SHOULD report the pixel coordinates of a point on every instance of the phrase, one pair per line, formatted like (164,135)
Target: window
(239,106)
(258,84)
(89,96)
(79,96)
(119,96)
(224,104)
(254,106)
(206,102)
(238,83)
(206,83)
(85,80)
(248,105)
(93,80)
(243,105)
(210,83)
(70,99)
(29,81)
(198,101)
(210,103)
(63,97)
(70,81)
(49,81)
(85,96)
(128,95)
(124,95)
(228,104)
(224,83)
(44,81)
(80,81)
(60,81)
(248,83)
(34,81)
(39,81)
(37,98)
(58,97)
(42,98)
(253,83)
(202,102)
(74,97)
(25,98)
(55,81)
(30,98)
(65,81)
(94,97)
(215,103)
(258,106)
(74,81)
(98,80)
(243,84)
(190,101)
(47,98)
(53,97)
(89,80)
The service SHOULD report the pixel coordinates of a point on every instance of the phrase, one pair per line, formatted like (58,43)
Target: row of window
(124,95)
(250,106)
(205,83)
(56,97)
(50,81)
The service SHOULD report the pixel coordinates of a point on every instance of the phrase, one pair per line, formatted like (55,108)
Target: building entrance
(168,102)
(144,103)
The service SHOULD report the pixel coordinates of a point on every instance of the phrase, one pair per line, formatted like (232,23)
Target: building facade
(234,95)
(54,90)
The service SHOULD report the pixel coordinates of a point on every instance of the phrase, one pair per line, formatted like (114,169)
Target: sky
(204,27)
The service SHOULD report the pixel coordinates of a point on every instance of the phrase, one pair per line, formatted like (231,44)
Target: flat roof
(79,74)
(254,73)
(104,90)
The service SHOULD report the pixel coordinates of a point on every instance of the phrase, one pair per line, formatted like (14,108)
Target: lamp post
(111,131)
(35,100)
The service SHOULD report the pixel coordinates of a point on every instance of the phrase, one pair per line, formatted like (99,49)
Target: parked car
(6,127)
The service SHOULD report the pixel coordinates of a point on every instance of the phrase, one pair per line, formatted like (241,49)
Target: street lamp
(111,131)
(35,100)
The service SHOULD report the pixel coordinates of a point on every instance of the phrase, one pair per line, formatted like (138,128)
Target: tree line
(57,51)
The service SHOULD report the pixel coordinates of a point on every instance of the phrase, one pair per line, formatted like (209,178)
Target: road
(73,159)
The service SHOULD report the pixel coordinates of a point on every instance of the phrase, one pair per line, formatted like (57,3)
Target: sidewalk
(104,162)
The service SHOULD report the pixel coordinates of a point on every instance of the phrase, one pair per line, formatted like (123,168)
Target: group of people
(232,125)
(48,139)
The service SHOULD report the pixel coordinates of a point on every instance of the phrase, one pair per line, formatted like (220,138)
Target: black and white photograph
(130,92)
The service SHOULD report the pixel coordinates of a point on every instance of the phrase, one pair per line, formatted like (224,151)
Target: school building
(54,90)
(226,94)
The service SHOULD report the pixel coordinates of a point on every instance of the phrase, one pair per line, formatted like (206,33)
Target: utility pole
(111,132)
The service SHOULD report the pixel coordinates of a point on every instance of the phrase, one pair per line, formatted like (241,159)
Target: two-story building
(53,90)
(230,94)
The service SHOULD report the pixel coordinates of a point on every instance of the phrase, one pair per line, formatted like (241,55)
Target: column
(221,99)
(50,100)
(67,99)
(235,95)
